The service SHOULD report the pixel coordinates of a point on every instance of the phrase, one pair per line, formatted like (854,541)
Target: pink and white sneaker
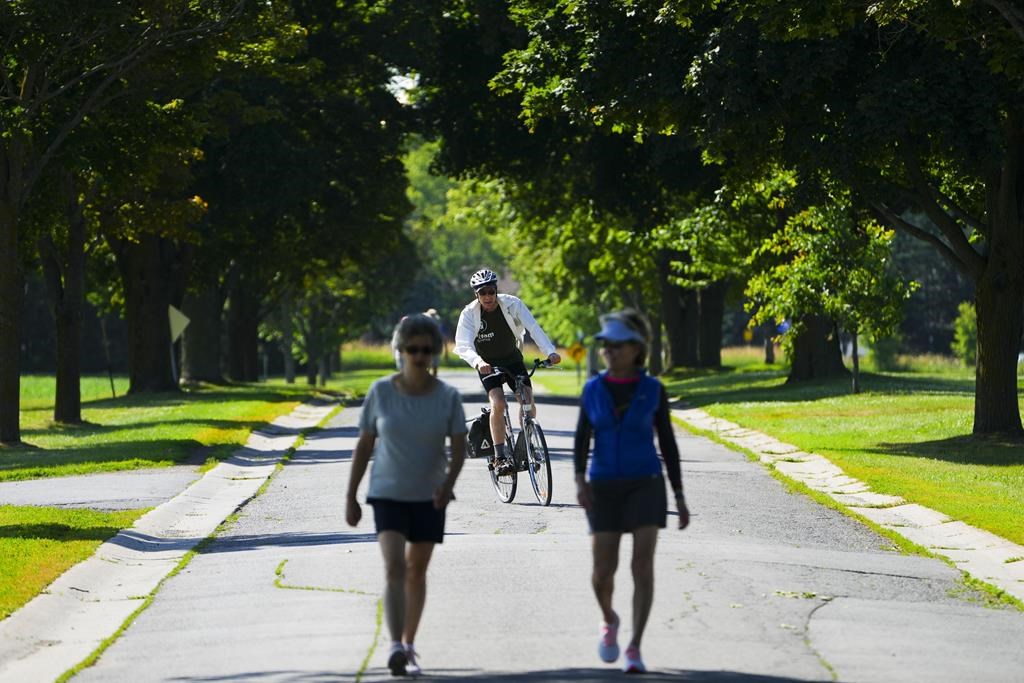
(633,664)
(608,647)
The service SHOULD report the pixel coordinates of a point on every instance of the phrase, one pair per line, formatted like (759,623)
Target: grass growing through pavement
(906,434)
(38,544)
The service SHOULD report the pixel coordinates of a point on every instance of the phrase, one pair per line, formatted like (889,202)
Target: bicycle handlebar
(537,363)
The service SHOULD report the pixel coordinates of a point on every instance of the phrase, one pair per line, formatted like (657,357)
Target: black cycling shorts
(516,368)
(419,521)
(623,505)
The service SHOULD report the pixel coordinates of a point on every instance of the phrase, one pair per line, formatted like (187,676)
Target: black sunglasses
(613,345)
(413,350)
(486,292)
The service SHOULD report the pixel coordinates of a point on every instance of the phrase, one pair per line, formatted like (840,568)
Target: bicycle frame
(533,457)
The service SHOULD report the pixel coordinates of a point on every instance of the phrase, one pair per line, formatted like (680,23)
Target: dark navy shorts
(419,521)
(622,505)
(517,368)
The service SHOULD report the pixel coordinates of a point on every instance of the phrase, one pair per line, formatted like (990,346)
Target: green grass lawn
(38,544)
(906,434)
(146,430)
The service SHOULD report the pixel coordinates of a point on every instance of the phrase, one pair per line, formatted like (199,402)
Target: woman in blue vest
(624,489)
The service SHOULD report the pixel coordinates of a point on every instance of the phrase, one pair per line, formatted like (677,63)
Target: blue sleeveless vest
(623,447)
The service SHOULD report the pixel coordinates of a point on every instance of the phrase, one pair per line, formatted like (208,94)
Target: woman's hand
(442,496)
(583,494)
(353,513)
(684,512)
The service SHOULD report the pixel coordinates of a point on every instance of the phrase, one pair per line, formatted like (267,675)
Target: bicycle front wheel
(539,462)
(504,484)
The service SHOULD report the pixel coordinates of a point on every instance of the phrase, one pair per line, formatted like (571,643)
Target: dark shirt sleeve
(581,444)
(667,442)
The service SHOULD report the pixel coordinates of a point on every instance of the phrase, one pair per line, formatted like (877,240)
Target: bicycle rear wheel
(539,462)
(505,484)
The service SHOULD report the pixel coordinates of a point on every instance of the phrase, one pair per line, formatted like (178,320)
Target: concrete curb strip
(981,554)
(89,602)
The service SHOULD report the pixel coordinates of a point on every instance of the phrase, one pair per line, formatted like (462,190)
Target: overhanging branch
(141,50)
(1014,15)
(926,197)
(893,219)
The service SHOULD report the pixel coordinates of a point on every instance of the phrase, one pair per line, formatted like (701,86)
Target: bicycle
(530,452)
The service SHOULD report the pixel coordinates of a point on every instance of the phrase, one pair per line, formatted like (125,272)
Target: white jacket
(519,320)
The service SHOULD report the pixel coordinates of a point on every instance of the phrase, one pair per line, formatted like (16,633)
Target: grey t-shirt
(409,458)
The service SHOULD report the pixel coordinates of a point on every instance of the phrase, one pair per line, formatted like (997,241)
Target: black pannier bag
(480,443)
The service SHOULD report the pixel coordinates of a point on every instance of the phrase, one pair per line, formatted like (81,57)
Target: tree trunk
(689,338)
(200,344)
(856,364)
(287,326)
(322,370)
(999,298)
(147,270)
(289,359)
(680,315)
(816,352)
(655,364)
(769,343)
(243,332)
(64,272)
(14,153)
(712,311)
(11,294)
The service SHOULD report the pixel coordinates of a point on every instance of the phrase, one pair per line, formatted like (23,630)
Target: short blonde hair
(416,325)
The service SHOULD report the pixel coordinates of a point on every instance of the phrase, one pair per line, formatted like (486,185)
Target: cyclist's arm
(536,333)
(465,348)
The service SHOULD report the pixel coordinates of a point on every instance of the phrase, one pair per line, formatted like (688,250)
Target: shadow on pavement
(552,675)
(585,675)
(232,544)
(132,539)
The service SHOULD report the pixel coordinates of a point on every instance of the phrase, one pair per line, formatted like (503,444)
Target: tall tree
(918,107)
(64,61)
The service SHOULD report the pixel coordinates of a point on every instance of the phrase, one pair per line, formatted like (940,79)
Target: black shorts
(516,368)
(623,505)
(419,521)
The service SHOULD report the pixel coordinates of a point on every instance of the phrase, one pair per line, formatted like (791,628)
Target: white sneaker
(633,663)
(412,667)
(397,659)
(608,647)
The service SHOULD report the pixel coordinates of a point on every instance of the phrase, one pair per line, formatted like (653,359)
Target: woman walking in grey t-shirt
(405,421)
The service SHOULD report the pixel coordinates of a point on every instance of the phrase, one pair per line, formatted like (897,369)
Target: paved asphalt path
(766,585)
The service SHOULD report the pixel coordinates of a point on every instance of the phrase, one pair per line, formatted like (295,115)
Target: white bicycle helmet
(482,278)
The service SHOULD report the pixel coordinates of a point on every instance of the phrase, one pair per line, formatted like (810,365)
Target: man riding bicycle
(490,333)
